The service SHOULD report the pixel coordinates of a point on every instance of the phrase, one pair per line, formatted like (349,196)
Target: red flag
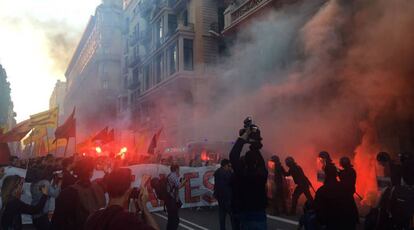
(68,129)
(101,135)
(17,133)
(4,151)
(109,137)
(154,142)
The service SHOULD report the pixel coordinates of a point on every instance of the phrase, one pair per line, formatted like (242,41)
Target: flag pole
(31,150)
(47,139)
(57,125)
(66,147)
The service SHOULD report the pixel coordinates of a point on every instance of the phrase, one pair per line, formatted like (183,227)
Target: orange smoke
(365,162)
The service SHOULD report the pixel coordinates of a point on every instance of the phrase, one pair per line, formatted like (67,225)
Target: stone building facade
(168,47)
(95,69)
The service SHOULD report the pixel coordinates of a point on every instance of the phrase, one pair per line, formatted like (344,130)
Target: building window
(135,76)
(136,54)
(136,31)
(172,24)
(185,18)
(125,82)
(124,103)
(146,77)
(158,69)
(172,59)
(105,84)
(160,32)
(188,54)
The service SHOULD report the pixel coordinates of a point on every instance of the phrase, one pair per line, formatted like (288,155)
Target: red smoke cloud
(334,76)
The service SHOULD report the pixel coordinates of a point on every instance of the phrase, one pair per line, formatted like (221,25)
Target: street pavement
(207,219)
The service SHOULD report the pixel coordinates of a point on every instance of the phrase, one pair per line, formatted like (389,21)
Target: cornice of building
(86,33)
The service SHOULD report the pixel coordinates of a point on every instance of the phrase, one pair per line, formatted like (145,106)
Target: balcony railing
(177,4)
(236,12)
(189,27)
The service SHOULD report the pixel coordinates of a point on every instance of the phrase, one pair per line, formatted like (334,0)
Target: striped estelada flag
(37,134)
(48,118)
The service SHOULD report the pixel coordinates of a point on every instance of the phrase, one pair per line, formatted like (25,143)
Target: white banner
(196,193)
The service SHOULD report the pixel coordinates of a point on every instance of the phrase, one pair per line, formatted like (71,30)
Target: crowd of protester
(79,202)
(240,187)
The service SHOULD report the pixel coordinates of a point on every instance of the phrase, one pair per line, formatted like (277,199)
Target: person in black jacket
(249,180)
(222,191)
(13,207)
(75,203)
(116,215)
(347,175)
(280,193)
(68,179)
(327,162)
(301,181)
(334,207)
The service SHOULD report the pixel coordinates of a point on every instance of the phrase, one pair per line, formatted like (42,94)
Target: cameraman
(116,215)
(249,180)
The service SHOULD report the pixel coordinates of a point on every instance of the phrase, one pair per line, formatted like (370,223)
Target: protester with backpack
(13,208)
(116,216)
(78,201)
(173,202)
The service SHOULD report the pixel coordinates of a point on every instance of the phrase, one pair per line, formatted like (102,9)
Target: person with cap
(301,181)
(280,193)
(116,215)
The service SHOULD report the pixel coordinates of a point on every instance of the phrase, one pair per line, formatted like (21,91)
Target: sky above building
(37,40)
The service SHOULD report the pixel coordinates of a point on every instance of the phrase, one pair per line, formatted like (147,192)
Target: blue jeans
(253,220)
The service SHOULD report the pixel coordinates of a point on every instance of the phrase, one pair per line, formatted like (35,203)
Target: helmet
(275,158)
(345,162)
(289,161)
(383,157)
(325,155)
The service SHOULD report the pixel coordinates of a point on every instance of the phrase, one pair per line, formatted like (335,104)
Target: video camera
(254,130)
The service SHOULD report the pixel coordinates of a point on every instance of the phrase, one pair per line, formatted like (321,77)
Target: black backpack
(160,187)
